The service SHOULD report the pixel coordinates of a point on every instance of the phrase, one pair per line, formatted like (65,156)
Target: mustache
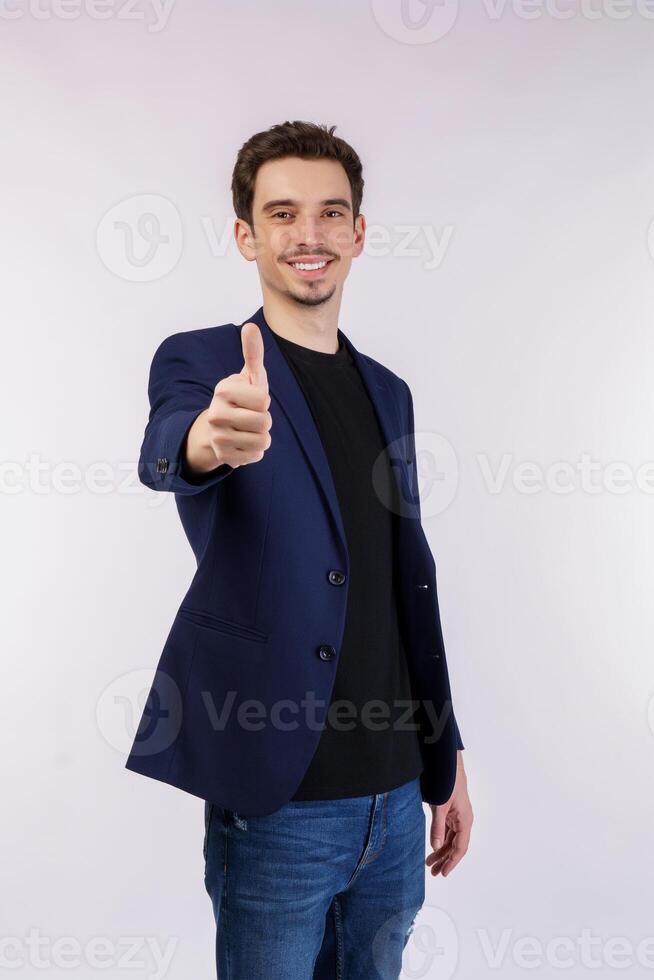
(314,255)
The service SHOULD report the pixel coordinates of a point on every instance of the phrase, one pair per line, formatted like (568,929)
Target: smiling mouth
(310,269)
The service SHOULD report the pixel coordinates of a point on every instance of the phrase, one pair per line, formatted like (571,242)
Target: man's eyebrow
(290,203)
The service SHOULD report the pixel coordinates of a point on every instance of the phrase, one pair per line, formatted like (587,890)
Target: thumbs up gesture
(235,428)
(252,347)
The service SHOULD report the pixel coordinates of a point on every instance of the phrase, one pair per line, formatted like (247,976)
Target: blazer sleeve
(414,489)
(179,388)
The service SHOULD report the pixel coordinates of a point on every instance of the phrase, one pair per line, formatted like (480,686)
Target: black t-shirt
(378,748)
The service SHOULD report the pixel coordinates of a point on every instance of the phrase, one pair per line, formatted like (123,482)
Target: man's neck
(315,327)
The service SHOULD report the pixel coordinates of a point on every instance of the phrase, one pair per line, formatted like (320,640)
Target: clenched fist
(235,428)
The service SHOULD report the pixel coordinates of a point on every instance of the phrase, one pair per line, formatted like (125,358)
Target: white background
(522,138)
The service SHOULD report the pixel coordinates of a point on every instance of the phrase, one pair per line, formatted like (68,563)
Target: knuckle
(214,417)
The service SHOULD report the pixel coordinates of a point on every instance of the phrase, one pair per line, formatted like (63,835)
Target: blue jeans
(318,890)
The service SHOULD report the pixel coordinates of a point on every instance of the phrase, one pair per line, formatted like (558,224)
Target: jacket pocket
(227,626)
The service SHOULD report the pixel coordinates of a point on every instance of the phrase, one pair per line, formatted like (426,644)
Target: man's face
(302,212)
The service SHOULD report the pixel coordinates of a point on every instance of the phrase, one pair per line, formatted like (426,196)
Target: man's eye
(277,213)
(335,212)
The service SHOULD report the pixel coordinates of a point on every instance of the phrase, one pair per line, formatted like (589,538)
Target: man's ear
(359,235)
(245,240)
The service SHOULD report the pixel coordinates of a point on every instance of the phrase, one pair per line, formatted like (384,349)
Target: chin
(311,297)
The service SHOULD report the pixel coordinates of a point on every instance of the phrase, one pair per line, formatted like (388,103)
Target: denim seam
(224,902)
(338,930)
(207,834)
(363,860)
(368,860)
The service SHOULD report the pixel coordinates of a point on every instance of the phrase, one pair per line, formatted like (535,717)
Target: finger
(437,860)
(239,440)
(243,419)
(447,840)
(443,849)
(438,827)
(252,347)
(445,855)
(452,863)
(458,851)
(238,391)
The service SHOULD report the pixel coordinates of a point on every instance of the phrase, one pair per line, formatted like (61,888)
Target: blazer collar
(284,386)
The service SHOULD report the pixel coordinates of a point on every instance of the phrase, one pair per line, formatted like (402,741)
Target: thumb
(252,346)
(437,834)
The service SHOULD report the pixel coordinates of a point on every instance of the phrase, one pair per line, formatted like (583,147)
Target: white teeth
(308,268)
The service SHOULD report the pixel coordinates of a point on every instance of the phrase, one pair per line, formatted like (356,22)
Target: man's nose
(308,232)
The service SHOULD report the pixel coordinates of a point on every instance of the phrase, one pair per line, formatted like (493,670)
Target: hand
(235,428)
(450,826)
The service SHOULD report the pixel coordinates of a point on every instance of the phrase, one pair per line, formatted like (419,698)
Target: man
(303,691)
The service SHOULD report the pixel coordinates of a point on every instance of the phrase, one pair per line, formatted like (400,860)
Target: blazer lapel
(396,441)
(284,386)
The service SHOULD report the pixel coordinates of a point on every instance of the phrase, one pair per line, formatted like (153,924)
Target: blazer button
(326,652)
(162,465)
(336,577)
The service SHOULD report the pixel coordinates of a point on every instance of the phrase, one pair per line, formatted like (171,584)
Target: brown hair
(292,139)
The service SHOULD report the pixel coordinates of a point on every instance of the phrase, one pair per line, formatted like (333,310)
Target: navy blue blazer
(243,683)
